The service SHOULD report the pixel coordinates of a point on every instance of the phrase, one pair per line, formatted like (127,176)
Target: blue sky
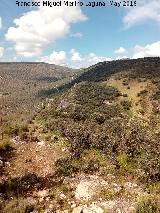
(79,36)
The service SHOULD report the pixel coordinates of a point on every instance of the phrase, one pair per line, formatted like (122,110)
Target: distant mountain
(20,84)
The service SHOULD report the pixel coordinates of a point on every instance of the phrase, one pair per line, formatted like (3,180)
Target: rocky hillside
(93,148)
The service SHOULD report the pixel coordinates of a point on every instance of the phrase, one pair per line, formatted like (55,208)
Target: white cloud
(75,56)
(37,29)
(121,51)
(58,58)
(1,51)
(73,59)
(77,35)
(0,22)
(145,10)
(92,58)
(77,61)
(150,50)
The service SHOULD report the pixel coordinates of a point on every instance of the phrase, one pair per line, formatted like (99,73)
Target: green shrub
(147,205)
(142,93)
(64,167)
(89,162)
(125,162)
(15,130)
(5,145)
(17,206)
(156,96)
(100,118)
(150,164)
(125,82)
(126,104)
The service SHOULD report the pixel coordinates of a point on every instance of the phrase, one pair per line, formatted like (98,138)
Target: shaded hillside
(20,84)
(145,67)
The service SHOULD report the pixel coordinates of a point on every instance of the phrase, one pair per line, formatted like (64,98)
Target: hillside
(20,84)
(138,68)
(92,148)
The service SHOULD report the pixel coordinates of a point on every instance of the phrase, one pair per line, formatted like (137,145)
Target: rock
(59,211)
(77,210)
(88,186)
(7,164)
(51,206)
(42,194)
(73,205)
(48,211)
(131,185)
(133,188)
(41,143)
(118,205)
(1,163)
(41,199)
(93,209)
(62,195)
(47,198)
(109,204)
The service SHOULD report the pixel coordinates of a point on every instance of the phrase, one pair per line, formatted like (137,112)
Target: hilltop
(92,147)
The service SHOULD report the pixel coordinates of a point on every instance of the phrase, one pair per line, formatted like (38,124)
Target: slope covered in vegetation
(103,129)
(21,83)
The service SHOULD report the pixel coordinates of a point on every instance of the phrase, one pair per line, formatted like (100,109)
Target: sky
(79,36)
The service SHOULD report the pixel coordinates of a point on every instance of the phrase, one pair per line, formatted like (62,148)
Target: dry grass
(132,90)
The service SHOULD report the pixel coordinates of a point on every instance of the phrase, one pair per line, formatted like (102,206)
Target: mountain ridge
(103,69)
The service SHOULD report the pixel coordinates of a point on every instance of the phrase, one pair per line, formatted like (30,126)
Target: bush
(64,167)
(126,104)
(125,82)
(142,93)
(89,162)
(18,130)
(94,94)
(156,96)
(125,95)
(125,162)
(18,206)
(150,164)
(100,118)
(5,145)
(147,205)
